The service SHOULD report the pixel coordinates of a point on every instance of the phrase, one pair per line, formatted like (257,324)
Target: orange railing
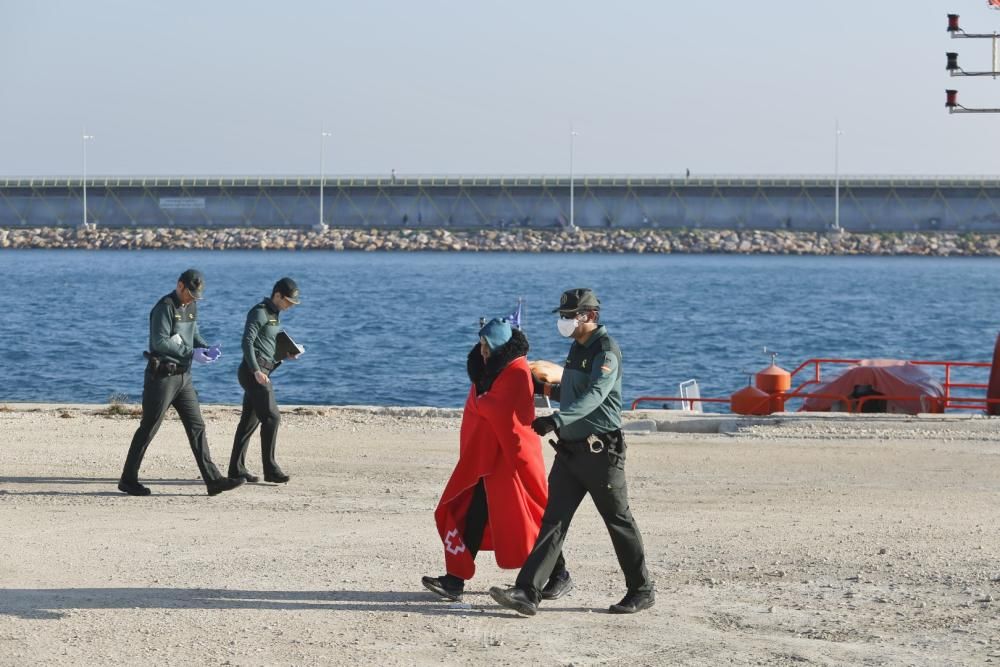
(948,401)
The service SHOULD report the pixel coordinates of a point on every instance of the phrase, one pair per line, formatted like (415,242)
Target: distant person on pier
(496,494)
(174,343)
(262,354)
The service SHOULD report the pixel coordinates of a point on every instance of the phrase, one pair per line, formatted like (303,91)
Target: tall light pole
(572,212)
(836,176)
(322,170)
(86,138)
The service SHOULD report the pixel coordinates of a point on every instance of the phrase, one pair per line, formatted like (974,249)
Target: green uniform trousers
(575,473)
(259,409)
(159,392)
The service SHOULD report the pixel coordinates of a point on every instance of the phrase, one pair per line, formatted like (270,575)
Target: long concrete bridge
(867,203)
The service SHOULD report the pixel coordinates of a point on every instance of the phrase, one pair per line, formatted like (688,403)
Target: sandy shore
(851,541)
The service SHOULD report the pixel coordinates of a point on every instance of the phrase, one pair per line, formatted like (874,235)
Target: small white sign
(182,203)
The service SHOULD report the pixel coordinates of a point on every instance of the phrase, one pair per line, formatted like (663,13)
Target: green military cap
(194,281)
(575,300)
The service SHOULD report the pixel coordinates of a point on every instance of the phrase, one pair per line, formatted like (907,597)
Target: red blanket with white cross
(497,445)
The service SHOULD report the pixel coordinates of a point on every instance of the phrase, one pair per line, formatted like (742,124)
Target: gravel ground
(844,541)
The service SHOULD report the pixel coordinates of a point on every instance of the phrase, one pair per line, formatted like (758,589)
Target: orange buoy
(750,401)
(775,381)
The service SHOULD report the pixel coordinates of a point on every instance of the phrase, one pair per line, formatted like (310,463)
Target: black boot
(559,584)
(133,488)
(633,602)
(516,599)
(447,586)
(276,476)
(217,486)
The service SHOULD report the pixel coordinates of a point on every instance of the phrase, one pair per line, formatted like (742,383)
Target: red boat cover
(889,377)
(497,444)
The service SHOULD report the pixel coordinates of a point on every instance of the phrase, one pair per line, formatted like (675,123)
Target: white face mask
(566,326)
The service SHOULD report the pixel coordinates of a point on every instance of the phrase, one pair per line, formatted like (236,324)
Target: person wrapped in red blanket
(495,497)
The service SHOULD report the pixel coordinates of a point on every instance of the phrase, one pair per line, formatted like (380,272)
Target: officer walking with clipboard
(265,346)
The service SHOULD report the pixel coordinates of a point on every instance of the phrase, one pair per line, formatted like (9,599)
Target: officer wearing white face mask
(590,458)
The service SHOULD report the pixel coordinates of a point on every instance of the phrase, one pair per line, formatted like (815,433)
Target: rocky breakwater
(516,240)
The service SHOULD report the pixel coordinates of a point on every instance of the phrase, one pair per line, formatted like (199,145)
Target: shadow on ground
(51,603)
(110,483)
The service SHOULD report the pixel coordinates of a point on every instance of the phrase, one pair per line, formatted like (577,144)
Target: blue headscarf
(496,332)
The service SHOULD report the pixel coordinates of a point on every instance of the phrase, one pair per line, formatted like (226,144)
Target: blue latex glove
(214,352)
(201,356)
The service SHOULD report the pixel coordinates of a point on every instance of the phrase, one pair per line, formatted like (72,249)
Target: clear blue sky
(434,86)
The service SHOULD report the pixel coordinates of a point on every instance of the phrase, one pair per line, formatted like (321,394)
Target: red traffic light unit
(951,102)
(953,68)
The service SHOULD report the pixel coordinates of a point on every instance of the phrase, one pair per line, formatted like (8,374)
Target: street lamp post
(86,138)
(836,177)
(322,171)
(572,212)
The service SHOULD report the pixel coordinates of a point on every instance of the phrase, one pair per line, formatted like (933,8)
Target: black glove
(543,425)
(538,386)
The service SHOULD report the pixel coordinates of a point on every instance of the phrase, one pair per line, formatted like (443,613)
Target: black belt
(264,365)
(267,365)
(166,368)
(594,443)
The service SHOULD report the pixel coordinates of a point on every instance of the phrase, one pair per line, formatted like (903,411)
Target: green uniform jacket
(260,333)
(169,317)
(590,394)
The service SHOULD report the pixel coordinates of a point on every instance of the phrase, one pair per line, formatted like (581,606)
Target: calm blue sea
(394,329)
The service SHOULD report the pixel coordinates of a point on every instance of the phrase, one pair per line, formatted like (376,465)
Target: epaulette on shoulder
(608,344)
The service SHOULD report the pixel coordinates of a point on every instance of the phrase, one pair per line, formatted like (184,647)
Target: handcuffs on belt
(593,442)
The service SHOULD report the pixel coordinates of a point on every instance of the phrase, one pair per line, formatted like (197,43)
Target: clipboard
(286,347)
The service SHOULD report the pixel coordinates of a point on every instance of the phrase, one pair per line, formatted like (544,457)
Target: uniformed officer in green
(590,458)
(174,342)
(259,405)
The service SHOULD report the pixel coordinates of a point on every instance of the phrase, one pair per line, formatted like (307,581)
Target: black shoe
(133,488)
(246,476)
(442,587)
(514,598)
(633,602)
(557,586)
(217,486)
(276,477)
